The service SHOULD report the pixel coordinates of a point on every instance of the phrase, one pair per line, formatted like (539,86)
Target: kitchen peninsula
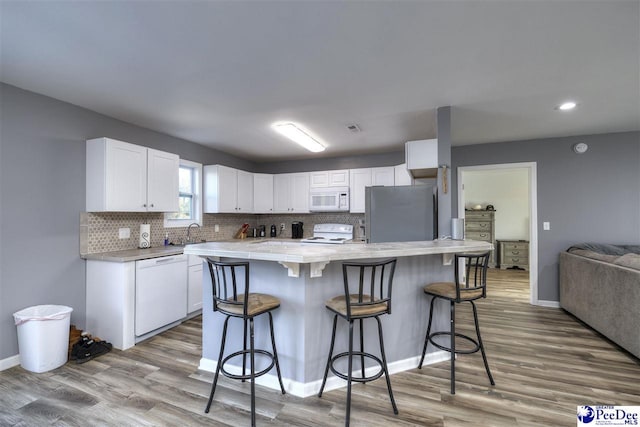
(304,276)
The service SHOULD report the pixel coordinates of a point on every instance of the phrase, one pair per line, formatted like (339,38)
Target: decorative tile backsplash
(99,231)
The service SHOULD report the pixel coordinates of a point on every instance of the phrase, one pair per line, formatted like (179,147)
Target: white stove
(333,234)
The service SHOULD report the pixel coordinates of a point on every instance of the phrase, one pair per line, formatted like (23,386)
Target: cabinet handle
(515,252)
(151,204)
(144,205)
(483,225)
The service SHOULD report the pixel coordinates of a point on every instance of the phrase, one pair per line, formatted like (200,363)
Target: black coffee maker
(296,230)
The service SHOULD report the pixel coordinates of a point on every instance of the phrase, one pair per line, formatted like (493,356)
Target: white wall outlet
(124,233)
(216,228)
(282,225)
(546,225)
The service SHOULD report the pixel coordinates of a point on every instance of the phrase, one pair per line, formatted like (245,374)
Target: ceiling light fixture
(296,134)
(566,106)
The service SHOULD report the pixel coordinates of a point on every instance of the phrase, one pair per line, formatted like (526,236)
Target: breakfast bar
(303,276)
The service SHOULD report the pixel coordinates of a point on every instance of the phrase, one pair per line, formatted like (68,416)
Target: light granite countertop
(297,252)
(135,254)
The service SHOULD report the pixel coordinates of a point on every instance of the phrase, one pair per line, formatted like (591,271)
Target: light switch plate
(546,225)
(124,233)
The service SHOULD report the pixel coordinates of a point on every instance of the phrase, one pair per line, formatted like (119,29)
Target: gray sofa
(600,285)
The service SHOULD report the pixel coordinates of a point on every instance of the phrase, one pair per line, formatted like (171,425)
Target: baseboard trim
(9,362)
(547,303)
(299,389)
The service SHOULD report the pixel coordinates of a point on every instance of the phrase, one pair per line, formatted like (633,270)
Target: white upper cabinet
(227,190)
(422,158)
(333,178)
(366,177)
(291,193)
(402,175)
(262,193)
(123,177)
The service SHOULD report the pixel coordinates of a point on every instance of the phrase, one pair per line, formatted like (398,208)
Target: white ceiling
(220,72)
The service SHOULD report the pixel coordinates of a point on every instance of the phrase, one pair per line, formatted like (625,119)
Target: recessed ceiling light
(566,106)
(299,136)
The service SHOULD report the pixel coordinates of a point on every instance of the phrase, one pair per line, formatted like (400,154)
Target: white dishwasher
(161,292)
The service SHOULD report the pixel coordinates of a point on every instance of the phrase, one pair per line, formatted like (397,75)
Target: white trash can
(43,336)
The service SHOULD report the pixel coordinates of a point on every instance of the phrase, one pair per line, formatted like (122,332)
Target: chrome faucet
(189,230)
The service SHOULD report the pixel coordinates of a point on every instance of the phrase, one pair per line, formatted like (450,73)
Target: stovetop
(330,234)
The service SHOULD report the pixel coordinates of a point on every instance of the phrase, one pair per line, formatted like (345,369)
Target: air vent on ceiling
(354,128)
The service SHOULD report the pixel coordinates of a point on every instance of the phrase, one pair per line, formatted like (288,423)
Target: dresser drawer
(515,245)
(478,215)
(479,226)
(519,261)
(478,235)
(523,253)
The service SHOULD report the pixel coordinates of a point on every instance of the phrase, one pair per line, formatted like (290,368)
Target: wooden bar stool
(367,294)
(456,293)
(231,297)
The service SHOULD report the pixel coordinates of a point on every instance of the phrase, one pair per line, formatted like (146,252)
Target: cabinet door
(383,176)
(125,176)
(359,179)
(319,179)
(402,175)
(262,193)
(227,189)
(194,287)
(162,181)
(244,192)
(300,192)
(282,193)
(339,178)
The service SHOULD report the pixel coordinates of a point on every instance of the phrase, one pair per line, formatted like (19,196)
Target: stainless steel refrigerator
(401,214)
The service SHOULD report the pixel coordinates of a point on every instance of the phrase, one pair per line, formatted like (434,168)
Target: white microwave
(329,199)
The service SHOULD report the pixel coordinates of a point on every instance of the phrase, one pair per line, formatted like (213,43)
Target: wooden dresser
(513,253)
(481,225)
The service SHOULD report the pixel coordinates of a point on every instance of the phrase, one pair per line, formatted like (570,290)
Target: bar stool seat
(373,281)
(231,297)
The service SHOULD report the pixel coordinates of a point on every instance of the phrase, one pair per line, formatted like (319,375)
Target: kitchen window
(189,197)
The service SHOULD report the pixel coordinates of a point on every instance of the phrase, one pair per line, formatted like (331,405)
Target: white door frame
(533,215)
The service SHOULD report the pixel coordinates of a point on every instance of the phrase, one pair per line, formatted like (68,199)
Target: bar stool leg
(362,347)
(215,377)
(275,352)
(384,366)
(426,338)
(484,356)
(350,374)
(253,374)
(326,369)
(453,347)
(244,347)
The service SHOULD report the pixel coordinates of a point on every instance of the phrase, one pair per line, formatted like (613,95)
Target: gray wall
(592,197)
(42,192)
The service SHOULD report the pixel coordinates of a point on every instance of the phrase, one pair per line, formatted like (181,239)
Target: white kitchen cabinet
(291,193)
(421,158)
(332,178)
(124,177)
(262,193)
(194,284)
(227,190)
(113,300)
(366,177)
(402,175)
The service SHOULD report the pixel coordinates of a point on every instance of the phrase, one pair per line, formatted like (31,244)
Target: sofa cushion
(629,260)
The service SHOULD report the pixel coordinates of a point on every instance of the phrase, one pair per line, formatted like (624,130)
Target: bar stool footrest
(461,351)
(353,378)
(247,376)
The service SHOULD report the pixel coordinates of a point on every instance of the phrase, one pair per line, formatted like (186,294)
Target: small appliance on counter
(273,231)
(296,230)
(262,230)
(331,234)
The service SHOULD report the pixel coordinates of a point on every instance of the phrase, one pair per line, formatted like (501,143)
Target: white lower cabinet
(128,302)
(194,284)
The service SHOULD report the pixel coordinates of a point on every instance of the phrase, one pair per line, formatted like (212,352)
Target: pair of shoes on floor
(88,348)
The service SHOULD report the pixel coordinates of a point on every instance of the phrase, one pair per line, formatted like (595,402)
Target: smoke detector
(354,128)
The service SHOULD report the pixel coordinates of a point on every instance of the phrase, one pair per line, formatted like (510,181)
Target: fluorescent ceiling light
(299,136)
(566,106)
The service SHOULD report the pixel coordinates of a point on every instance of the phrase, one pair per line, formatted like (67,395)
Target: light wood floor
(544,362)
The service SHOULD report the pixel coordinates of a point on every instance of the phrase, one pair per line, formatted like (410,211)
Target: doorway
(528,193)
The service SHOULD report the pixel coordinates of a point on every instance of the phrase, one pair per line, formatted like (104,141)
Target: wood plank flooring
(544,362)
